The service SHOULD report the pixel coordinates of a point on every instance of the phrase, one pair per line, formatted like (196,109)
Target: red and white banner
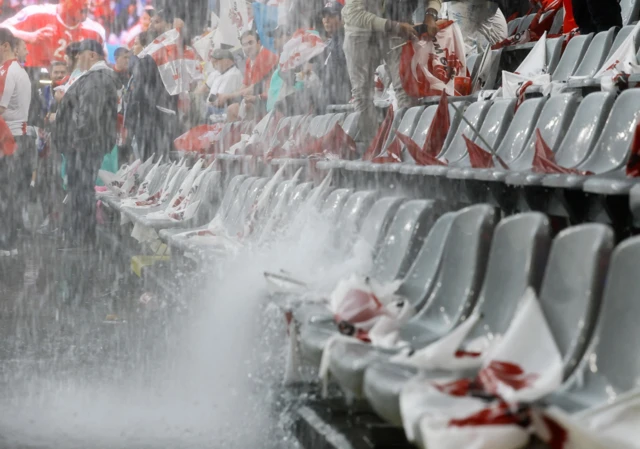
(303,46)
(199,138)
(532,71)
(622,62)
(179,66)
(429,67)
(450,412)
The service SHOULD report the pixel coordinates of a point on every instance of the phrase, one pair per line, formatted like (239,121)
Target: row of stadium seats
(450,263)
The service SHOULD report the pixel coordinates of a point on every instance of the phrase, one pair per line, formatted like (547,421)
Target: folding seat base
(383,382)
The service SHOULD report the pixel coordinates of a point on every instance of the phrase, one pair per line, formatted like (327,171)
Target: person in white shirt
(17,150)
(228,79)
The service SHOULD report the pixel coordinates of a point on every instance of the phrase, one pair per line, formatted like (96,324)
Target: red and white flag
(303,46)
(179,66)
(429,66)
(450,412)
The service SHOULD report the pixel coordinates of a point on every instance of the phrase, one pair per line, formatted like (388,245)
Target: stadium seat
(351,219)
(553,123)
(513,26)
(526,23)
(334,203)
(611,151)
(576,145)
(554,53)
(630,11)
(558,21)
(571,57)
(634,204)
(520,247)
(608,369)
(593,59)
(515,138)
(449,303)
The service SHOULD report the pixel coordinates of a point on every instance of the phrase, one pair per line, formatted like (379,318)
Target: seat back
(353,213)
(558,22)
(208,196)
(520,129)
(316,125)
(630,11)
(376,224)
(573,54)
(238,201)
(230,193)
(526,23)
(520,247)
(177,181)
(613,146)
(421,275)
(475,114)
(335,119)
(622,35)
(586,125)
(456,111)
(158,180)
(572,287)
(350,125)
(460,276)
(409,120)
(472,61)
(554,52)
(492,73)
(553,123)
(596,54)
(614,347)
(334,203)
(397,119)
(279,210)
(299,194)
(404,239)
(512,27)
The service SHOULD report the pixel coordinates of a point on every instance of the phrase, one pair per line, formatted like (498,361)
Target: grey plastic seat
(514,141)
(353,214)
(335,119)
(572,56)
(238,200)
(525,23)
(622,35)
(553,123)
(472,61)
(580,138)
(610,367)
(558,22)
(230,192)
(450,301)
(611,151)
(594,57)
(572,288)
(134,214)
(406,127)
(520,247)
(201,215)
(513,26)
(274,209)
(417,282)
(630,11)
(334,203)
(634,204)
(554,52)
(350,125)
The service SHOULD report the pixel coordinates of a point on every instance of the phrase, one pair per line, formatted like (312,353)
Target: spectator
(371,35)
(122,56)
(140,42)
(15,168)
(280,36)
(57,72)
(257,74)
(481,21)
(127,18)
(128,36)
(335,77)
(594,16)
(86,131)
(151,113)
(228,80)
(161,22)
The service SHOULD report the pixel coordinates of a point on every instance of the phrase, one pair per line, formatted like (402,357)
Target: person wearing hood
(86,130)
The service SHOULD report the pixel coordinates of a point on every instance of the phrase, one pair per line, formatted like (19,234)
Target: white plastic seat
(571,57)
(630,11)
(593,59)
(558,21)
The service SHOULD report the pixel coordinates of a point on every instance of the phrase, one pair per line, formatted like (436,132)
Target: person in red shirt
(49,29)
(257,75)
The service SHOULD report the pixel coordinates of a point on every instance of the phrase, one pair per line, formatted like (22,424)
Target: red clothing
(36,17)
(569,22)
(260,69)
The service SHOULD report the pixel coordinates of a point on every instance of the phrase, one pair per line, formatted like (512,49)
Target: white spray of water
(217,387)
